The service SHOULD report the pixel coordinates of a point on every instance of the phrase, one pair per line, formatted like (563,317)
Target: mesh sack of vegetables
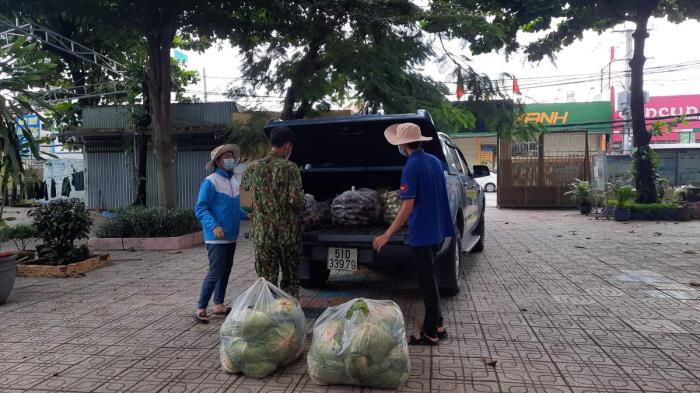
(392,205)
(264,331)
(311,214)
(361,342)
(357,207)
(325,212)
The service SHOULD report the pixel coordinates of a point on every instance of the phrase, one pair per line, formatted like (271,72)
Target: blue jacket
(219,204)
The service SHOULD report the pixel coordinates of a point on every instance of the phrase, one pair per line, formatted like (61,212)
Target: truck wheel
(480,231)
(448,279)
(318,275)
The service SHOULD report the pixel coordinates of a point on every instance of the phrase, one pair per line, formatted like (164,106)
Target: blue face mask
(402,152)
(229,164)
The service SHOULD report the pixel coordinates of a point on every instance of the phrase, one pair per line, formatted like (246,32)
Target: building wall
(476,149)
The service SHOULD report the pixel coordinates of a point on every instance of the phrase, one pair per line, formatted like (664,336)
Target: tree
(19,73)
(318,52)
(17,78)
(476,20)
(158,21)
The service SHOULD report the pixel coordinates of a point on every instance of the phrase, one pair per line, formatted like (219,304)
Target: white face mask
(229,164)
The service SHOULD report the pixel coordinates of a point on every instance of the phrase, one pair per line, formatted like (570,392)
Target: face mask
(402,151)
(229,164)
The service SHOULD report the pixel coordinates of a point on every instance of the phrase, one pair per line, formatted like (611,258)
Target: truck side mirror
(481,171)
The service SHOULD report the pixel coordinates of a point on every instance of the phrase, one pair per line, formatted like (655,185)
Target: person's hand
(219,233)
(380,241)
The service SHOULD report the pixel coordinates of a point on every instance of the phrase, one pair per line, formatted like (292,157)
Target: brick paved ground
(559,300)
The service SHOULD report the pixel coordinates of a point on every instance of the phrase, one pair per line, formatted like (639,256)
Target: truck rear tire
(318,275)
(449,267)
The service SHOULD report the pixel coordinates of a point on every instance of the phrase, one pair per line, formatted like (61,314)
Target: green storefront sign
(571,116)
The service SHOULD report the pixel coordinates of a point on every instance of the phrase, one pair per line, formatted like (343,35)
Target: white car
(488,183)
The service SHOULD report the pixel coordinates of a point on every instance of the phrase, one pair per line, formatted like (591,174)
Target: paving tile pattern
(561,302)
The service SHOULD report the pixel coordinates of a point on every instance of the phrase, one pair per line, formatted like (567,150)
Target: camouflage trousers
(270,259)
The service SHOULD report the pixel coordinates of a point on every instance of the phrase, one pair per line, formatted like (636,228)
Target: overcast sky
(667,44)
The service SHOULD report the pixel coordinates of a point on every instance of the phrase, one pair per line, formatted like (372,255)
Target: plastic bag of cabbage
(361,342)
(264,331)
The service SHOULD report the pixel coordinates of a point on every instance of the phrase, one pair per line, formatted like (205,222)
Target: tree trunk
(3,189)
(307,66)
(141,197)
(160,38)
(141,169)
(644,168)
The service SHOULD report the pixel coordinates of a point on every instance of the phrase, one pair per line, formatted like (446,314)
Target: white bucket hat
(220,150)
(403,133)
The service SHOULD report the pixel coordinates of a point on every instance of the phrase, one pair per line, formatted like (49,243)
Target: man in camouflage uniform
(275,186)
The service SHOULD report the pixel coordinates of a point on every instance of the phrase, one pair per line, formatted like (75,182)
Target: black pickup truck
(338,153)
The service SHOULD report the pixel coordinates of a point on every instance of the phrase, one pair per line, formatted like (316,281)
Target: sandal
(422,340)
(442,335)
(226,312)
(199,316)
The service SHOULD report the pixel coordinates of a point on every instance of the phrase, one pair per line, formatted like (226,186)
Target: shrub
(623,194)
(20,235)
(149,222)
(650,207)
(580,191)
(59,224)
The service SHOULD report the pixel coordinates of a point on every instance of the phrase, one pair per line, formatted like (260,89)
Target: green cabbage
(255,324)
(255,340)
(230,328)
(371,340)
(226,364)
(360,343)
(258,370)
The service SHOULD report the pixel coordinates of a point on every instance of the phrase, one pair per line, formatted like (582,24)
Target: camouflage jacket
(275,187)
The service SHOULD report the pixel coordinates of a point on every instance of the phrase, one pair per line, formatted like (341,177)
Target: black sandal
(227,312)
(423,340)
(442,335)
(199,316)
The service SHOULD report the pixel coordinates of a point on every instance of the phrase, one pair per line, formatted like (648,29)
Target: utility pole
(627,131)
(204,79)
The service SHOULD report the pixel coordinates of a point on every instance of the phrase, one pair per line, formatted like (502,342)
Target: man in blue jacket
(219,210)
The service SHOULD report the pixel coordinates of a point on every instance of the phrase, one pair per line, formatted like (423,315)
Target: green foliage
(137,221)
(59,224)
(623,194)
(650,207)
(246,132)
(580,192)
(19,73)
(19,234)
(364,51)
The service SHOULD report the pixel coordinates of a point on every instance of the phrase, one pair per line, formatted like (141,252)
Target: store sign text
(546,117)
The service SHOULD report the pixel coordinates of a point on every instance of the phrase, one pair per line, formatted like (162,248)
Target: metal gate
(538,173)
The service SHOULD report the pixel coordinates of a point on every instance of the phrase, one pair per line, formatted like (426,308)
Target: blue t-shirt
(423,179)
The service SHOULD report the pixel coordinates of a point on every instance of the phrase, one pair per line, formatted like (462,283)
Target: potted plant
(59,224)
(20,235)
(681,196)
(623,195)
(580,191)
(8,262)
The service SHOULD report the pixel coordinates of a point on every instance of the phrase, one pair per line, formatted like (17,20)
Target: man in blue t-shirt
(426,209)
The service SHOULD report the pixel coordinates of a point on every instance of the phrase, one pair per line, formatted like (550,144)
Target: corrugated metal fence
(111,176)
(181,115)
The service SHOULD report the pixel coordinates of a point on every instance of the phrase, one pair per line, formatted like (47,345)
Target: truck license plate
(342,259)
